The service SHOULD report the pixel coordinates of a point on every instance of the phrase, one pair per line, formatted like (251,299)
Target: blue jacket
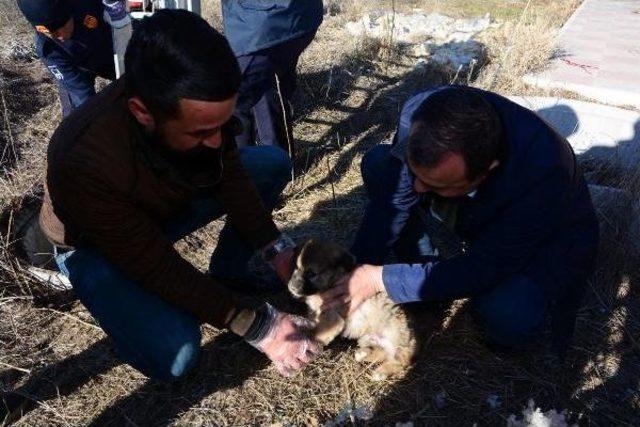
(89,52)
(532,215)
(253,25)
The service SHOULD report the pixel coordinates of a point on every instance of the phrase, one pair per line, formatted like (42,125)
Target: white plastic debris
(534,417)
(447,42)
(350,414)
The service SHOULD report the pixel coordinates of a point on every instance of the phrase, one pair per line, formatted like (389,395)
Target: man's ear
(141,113)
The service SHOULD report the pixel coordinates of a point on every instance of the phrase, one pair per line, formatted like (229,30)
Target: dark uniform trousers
(264,99)
(268,37)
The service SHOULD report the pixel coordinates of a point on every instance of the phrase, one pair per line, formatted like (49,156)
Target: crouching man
(148,161)
(480,199)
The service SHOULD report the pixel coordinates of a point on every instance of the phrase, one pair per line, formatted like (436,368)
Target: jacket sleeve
(505,247)
(393,208)
(110,223)
(245,209)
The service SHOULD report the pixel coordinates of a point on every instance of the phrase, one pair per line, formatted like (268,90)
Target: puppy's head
(319,265)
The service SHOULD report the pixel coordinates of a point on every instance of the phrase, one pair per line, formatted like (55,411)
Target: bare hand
(352,290)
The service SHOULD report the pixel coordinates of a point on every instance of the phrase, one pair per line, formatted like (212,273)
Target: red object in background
(136,5)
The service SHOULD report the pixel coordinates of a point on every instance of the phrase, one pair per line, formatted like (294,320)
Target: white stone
(417,27)
(534,417)
(436,39)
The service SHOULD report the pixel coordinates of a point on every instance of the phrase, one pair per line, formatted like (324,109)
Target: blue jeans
(512,313)
(155,337)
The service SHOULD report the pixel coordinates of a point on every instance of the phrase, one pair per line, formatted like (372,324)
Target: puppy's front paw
(378,376)
(326,336)
(329,324)
(361,355)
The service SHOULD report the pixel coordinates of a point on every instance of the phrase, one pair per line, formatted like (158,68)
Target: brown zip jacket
(109,190)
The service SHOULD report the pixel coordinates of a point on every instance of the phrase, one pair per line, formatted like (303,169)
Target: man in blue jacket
(268,37)
(74,43)
(480,199)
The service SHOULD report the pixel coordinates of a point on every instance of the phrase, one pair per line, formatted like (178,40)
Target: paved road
(599,53)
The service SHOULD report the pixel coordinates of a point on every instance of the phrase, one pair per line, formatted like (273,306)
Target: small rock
(435,39)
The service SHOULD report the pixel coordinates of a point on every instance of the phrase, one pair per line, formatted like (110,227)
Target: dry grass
(348,99)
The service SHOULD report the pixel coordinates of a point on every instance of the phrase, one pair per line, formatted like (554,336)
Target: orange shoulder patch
(90,22)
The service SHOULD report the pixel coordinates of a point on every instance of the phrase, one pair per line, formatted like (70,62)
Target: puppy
(381,327)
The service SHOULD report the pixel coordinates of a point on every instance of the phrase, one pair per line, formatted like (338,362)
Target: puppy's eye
(310,276)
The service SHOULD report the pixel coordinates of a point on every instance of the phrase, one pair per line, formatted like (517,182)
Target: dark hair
(52,14)
(458,120)
(175,54)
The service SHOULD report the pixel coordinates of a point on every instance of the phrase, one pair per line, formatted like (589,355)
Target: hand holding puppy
(355,288)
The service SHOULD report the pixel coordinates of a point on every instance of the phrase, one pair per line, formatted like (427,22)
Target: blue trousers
(259,107)
(155,337)
(513,313)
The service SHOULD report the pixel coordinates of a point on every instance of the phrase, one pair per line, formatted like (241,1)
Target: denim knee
(152,336)
(269,168)
(280,166)
(178,356)
(514,313)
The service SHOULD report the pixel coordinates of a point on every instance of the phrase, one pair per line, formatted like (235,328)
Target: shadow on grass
(226,362)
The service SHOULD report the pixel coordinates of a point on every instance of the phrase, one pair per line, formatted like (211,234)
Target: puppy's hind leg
(394,365)
(369,354)
(369,350)
(388,369)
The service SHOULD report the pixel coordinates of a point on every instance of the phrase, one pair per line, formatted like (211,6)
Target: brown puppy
(381,327)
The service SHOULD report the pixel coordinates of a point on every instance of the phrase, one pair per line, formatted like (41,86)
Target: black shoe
(37,251)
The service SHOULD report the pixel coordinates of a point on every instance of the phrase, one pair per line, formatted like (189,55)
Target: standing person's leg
(273,113)
(262,98)
(514,313)
(257,79)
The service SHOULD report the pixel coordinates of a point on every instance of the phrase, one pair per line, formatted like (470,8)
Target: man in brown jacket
(148,161)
